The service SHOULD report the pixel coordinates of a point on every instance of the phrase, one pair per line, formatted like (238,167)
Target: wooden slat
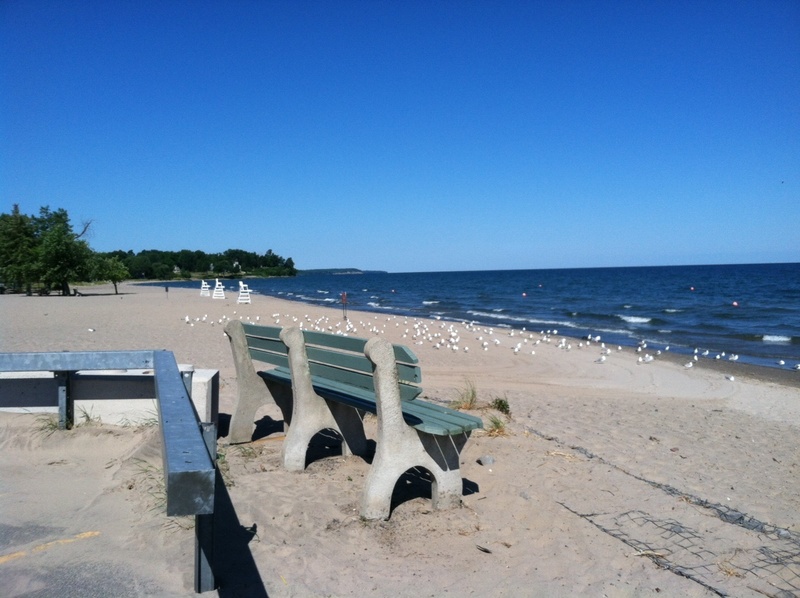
(404,355)
(443,417)
(267,344)
(273,358)
(407,393)
(272,332)
(347,377)
(350,361)
(268,350)
(359,363)
(279,375)
(354,344)
(325,339)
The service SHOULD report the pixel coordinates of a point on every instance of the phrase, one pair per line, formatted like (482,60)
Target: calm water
(750,310)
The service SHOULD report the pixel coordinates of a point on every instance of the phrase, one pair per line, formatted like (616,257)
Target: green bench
(325,381)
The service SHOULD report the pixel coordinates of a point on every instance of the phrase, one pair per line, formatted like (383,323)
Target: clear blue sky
(411,136)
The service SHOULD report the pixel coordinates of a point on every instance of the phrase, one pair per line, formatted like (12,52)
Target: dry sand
(614,479)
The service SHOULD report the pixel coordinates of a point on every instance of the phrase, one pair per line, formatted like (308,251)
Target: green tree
(110,268)
(18,256)
(62,255)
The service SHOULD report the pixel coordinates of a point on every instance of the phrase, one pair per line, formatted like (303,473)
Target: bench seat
(422,415)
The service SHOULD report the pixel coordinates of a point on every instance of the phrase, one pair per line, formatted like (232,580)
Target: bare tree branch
(86,224)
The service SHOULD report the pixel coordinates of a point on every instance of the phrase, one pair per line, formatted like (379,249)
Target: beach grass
(496,427)
(467,396)
(46,424)
(501,404)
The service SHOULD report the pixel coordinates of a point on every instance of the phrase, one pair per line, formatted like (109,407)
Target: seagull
(688,364)
(602,359)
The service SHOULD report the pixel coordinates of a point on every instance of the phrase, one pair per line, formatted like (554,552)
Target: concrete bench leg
(401,447)
(311,413)
(252,393)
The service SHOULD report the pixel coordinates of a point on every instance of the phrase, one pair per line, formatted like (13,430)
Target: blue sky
(411,136)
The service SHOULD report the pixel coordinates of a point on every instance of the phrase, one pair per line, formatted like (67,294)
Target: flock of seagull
(454,337)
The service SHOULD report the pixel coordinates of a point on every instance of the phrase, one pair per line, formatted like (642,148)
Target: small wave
(635,319)
(430,302)
(497,316)
(323,292)
(672,311)
(777,339)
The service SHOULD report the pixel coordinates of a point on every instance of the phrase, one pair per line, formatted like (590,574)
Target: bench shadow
(418,483)
(267,426)
(328,443)
(264,427)
(235,570)
(223,425)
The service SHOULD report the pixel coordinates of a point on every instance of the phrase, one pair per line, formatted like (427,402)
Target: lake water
(751,310)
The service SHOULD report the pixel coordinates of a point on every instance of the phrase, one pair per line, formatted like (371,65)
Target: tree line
(45,252)
(165,265)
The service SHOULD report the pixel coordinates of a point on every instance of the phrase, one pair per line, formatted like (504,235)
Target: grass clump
(46,425)
(148,421)
(496,427)
(501,405)
(151,479)
(87,418)
(247,452)
(467,397)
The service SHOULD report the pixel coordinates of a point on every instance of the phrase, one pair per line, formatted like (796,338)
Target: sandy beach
(613,478)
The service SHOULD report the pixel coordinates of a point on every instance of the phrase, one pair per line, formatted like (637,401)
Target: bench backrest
(264,344)
(334,357)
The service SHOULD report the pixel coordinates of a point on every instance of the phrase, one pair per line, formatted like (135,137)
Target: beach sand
(613,479)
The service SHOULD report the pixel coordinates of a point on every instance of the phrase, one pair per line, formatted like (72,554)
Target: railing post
(187,372)
(65,411)
(204,526)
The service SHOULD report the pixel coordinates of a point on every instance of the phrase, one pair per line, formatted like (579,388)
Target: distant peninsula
(339,271)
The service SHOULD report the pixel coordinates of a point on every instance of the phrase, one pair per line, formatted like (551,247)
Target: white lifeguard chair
(244,293)
(219,291)
(205,290)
